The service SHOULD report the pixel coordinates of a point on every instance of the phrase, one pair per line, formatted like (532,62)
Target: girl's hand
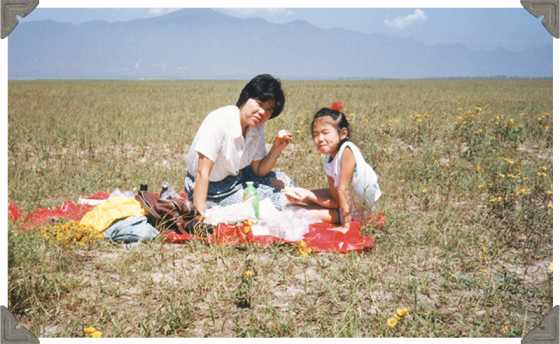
(296,195)
(342,229)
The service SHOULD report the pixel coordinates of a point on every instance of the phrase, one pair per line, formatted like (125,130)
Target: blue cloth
(130,231)
(230,190)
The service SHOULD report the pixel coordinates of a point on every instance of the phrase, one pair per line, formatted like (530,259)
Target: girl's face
(254,112)
(326,136)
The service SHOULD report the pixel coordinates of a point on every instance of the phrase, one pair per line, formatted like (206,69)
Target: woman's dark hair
(263,87)
(339,120)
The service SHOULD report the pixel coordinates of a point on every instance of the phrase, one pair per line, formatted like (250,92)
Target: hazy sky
(477,28)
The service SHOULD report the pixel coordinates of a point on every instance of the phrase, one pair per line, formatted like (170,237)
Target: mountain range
(207,44)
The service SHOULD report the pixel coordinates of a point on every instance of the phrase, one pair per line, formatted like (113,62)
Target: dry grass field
(466,170)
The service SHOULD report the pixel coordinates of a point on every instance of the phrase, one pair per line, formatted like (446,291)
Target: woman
(229,149)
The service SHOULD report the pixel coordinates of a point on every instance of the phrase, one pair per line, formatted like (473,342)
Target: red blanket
(321,237)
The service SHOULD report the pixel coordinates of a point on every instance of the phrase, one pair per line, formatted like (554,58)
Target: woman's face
(254,112)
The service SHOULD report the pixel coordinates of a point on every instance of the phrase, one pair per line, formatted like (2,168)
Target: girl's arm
(322,197)
(347,166)
(201,183)
(262,167)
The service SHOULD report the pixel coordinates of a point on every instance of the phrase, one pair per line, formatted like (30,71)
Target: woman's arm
(347,166)
(262,167)
(201,182)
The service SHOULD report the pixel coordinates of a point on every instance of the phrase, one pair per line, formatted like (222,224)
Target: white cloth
(221,140)
(364,179)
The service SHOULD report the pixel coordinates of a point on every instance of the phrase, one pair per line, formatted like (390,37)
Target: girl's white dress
(364,181)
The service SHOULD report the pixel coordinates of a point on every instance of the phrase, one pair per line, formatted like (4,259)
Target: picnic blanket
(320,237)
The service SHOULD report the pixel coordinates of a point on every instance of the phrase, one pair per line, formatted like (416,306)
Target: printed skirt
(230,189)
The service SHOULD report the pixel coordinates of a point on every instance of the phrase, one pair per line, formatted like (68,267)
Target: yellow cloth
(102,216)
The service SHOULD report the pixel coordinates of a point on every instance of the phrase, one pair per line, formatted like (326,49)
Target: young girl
(345,167)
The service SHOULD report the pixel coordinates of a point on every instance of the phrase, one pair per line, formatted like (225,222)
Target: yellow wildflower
(543,168)
(505,328)
(486,272)
(401,312)
(89,329)
(96,334)
(392,322)
(550,206)
(550,267)
(501,175)
(523,191)
(480,186)
(248,273)
(303,250)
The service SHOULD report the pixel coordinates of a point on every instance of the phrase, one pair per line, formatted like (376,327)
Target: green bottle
(251,194)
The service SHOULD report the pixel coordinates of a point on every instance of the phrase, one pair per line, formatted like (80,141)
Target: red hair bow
(337,106)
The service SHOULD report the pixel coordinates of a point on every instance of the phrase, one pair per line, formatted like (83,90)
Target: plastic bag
(169,192)
(232,213)
(116,193)
(291,224)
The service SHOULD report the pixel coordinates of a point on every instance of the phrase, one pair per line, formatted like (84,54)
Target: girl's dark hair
(339,120)
(263,87)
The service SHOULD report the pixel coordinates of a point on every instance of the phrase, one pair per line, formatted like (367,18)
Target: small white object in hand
(291,192)
(283,134)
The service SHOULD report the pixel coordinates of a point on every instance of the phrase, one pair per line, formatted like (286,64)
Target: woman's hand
(277,183)
(283,138)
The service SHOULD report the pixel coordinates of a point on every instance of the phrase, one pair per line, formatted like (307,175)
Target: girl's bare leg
(324,214)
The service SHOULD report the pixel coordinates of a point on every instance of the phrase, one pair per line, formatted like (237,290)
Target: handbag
(174,214)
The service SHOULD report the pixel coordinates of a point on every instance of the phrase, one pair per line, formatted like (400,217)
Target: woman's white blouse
(221,140)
